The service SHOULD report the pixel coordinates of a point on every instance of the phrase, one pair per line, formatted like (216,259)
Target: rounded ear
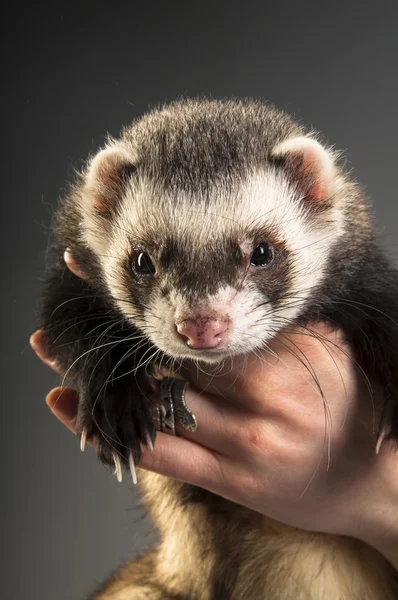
(106,178)
(310,164)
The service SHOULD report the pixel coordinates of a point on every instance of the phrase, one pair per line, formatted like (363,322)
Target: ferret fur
(197,185)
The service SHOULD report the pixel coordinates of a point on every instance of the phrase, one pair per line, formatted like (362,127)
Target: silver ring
(172,407)
(164,419)
(185,416)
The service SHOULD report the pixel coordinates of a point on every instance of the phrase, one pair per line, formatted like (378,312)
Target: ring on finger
(173,406)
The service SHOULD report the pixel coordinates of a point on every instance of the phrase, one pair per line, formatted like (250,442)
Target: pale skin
(266,441)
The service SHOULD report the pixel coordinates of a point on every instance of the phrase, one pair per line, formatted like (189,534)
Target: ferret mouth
(175,347)
(209,355)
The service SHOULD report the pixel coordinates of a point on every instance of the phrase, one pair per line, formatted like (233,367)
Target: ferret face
(215,270)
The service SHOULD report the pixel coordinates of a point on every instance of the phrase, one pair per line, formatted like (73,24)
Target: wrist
(387,545)
(380,526)
(385,540)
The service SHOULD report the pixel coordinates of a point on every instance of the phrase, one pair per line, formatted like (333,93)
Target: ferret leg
(136,581)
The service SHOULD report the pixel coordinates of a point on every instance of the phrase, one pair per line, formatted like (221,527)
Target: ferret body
(206,229)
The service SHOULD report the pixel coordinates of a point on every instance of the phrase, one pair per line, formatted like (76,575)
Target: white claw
(148,441)
(132,468)
(118,467)
(383,434)
(83,439)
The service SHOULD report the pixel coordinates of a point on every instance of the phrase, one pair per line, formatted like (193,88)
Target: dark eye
(143,264)
(262,255)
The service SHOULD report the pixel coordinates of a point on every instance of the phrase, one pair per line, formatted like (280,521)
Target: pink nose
(202,333)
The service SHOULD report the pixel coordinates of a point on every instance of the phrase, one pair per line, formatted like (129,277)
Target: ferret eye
(143,264)
(262,255)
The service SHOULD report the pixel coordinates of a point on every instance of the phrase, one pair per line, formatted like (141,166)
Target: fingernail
(58,399)
(67,255)
(53,397)
(72,264)
(39,342)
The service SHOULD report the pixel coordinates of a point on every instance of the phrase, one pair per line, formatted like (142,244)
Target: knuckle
(151,461)
(256,437)
(251,437)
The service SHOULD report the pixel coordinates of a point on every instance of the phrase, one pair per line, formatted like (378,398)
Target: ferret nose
(202,333)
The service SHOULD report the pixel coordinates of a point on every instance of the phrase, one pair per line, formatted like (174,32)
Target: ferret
(203,231)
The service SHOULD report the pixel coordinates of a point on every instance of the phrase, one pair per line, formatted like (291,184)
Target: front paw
(119,422)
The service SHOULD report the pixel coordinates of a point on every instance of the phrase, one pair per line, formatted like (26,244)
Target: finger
(63,402)
(221,426)
(39,343)
(72,264)
(183,460)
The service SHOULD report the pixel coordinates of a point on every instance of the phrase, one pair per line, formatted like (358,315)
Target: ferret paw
(117,430)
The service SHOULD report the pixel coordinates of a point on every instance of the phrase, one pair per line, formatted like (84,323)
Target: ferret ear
(310,165)
(106,178)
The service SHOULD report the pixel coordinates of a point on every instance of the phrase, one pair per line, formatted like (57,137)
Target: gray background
(71,75)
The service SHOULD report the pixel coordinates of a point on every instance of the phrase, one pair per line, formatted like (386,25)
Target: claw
(83,439)
(383,434)
(132,468)
(148,441)
(118,467)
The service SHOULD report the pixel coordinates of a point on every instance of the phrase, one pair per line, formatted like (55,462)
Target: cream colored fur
(278,561)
